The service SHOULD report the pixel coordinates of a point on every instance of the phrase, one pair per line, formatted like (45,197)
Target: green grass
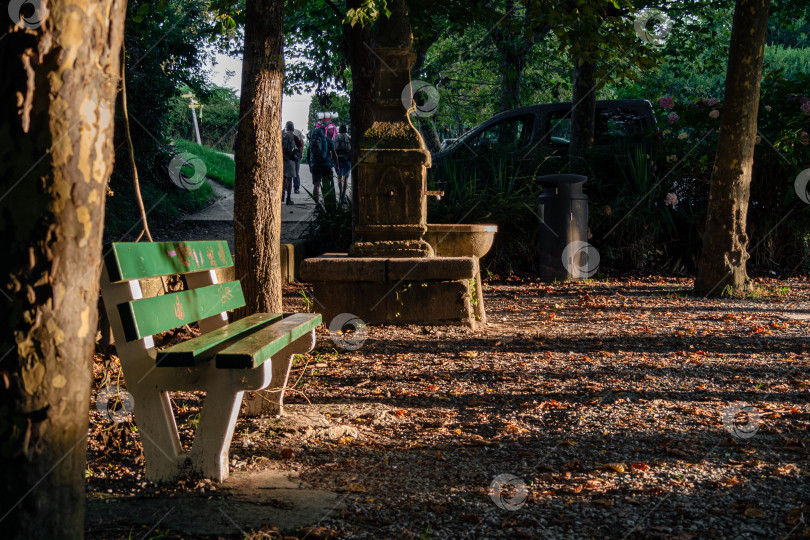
(164,203)
(219,166)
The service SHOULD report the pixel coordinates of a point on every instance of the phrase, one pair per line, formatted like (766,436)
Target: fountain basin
(462,240)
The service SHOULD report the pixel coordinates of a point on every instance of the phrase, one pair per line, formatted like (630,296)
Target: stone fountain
(392,273)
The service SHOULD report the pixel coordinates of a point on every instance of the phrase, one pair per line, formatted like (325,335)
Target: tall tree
(259,166)
(62,66)
(514,37)
(581,27)
(725,242)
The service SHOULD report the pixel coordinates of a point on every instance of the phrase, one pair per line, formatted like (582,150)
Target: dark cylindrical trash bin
(563,211)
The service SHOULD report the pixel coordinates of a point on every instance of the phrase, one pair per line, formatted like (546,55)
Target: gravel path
(607,409)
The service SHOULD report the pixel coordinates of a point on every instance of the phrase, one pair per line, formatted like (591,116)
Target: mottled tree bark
(364,67)
(259,165)
(58,101)
(583,115)
(429,134)
(724,253)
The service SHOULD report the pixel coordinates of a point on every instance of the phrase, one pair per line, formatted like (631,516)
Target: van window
(612,124)
(619,123)
(505,136)
(559,128)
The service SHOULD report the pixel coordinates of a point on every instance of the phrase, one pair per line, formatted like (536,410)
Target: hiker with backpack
(289,145)
(322,158)
(300,143)
(343,148)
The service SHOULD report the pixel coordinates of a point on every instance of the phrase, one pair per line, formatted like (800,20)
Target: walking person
(343,148)
(291,155)
(300,143)
(322,159)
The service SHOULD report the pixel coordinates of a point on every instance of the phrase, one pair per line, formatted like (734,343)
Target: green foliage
(778,225)
(632,225)
(314,45)
(789,24)
(330,229)
(315,37)
(790,62)
(219,167)
(367,13)
(693,60)
(217,117)
(494,199)
(167,44)
(164,203)
(308,303)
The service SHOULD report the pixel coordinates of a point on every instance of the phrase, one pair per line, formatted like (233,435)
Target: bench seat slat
(203,348)
(255,349)
(149,316)
(139,260)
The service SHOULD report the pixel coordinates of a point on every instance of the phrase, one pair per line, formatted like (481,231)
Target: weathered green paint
(255,349)
(139,260)
(149,316)
(203,348)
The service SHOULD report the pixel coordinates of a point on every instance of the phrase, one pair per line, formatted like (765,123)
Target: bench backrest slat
(148,316)
(138,260)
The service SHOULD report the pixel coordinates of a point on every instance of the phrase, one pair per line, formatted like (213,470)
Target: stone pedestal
(430,291)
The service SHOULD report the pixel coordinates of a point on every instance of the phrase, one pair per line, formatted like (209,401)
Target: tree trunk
(56,152)
(514,41)
(514,62)
(259,165)
(429,134)
(583,115)
(724,253)
(364,66)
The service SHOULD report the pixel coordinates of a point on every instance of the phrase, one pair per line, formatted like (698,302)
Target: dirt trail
(216,221)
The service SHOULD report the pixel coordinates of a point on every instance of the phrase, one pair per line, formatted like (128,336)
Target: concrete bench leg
(158,430)
(271,400)
(212,440)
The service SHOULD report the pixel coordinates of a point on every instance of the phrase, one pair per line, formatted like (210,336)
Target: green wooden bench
(250,354)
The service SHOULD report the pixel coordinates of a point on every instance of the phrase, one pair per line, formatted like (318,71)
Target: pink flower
(712,102)
(667,102)
(714,114)
(672,118)
(805,108)
(671,199)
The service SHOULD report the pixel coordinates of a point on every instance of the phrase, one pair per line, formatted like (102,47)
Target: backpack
(319,151)
(343,146)
(289,147)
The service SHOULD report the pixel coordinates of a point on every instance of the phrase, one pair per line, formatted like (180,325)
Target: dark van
(534,140)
